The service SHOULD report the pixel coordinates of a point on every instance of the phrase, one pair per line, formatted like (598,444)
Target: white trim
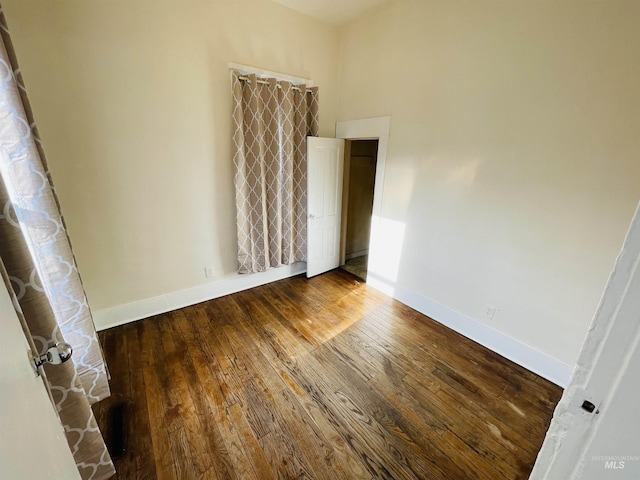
(371,128)
(356,254)
(538,362)
(366,128)
(531,359)
(261,72)
(605,375)
(129,312)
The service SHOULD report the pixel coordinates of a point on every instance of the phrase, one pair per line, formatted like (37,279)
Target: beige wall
(512,169)
(513,156)
(133,103)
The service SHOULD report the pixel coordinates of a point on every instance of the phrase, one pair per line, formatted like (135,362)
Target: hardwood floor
(321,379)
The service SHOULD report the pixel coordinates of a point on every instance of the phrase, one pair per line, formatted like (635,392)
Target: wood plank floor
(321,379)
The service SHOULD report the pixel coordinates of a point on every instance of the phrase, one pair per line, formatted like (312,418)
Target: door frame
(376,128)
(612,339)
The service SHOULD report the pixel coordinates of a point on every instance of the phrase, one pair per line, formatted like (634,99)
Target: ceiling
(336,12)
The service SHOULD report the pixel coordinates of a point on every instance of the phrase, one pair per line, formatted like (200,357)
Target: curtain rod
(265,82)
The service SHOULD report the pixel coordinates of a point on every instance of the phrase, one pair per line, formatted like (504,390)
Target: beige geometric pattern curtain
(39,263)
(272,120)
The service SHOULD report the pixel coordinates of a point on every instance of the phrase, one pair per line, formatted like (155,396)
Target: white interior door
(599,440)
(325,163)
(32,441)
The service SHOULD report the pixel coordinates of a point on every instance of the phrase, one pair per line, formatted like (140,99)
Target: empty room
(320,239)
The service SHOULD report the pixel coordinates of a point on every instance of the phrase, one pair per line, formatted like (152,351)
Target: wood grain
(321,379)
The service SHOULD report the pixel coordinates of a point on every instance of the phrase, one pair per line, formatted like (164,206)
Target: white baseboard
(359,253)
(129,312)
(538,362)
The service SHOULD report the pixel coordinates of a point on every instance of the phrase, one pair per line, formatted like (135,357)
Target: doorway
(357,205)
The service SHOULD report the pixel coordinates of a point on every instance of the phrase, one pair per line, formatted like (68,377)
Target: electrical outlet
(489,312)
(208,272)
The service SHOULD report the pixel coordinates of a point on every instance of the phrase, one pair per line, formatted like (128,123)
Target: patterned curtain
(39,263)
(272,120)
